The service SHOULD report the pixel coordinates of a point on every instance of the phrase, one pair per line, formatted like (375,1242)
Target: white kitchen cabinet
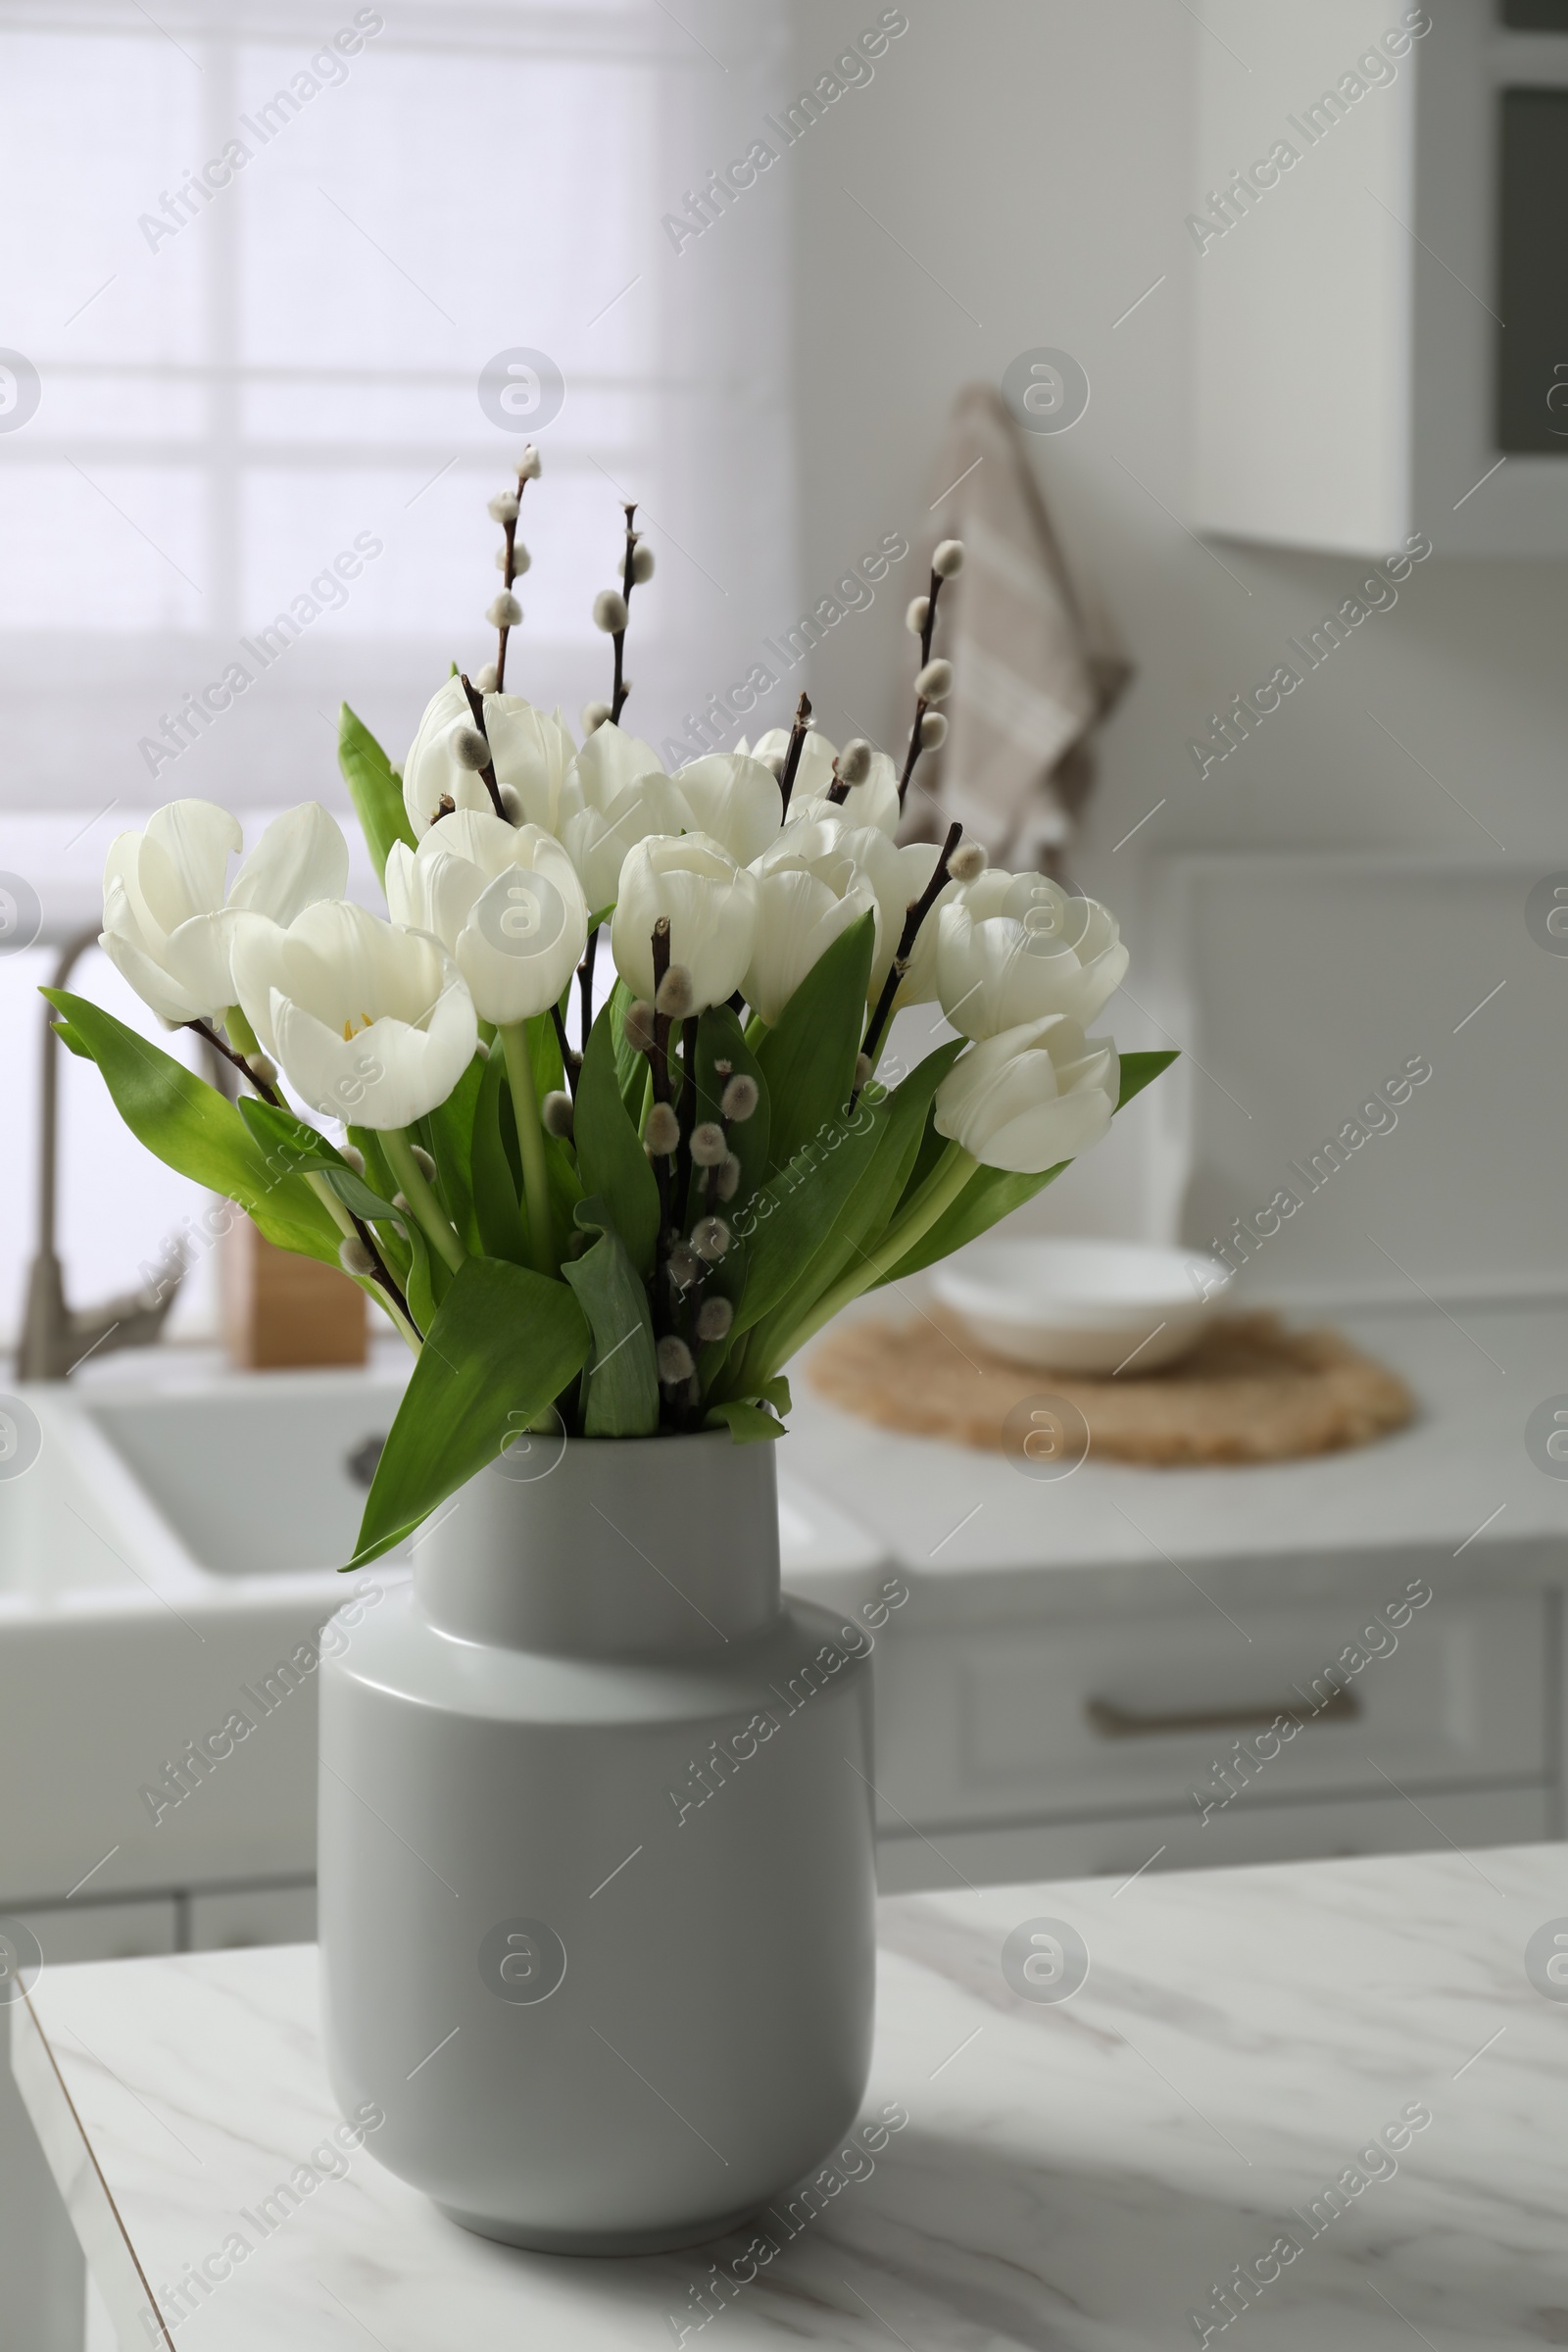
(1026,1721)
(1378,314)
(242,1914)
(1122,1845)
(135,1929)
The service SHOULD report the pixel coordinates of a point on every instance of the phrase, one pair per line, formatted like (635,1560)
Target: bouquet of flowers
(620,1222)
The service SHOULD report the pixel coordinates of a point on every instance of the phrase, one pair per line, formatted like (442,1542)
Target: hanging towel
(1036,662)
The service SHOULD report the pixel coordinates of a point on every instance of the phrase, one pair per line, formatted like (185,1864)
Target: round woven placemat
(1250,1391)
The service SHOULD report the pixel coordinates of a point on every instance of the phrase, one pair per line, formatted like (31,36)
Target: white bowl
(1082,1306)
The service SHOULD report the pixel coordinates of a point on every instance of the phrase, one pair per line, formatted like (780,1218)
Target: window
(260,261)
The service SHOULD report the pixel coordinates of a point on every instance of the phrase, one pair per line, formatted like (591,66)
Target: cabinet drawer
(1083,1849)
(1162,1713)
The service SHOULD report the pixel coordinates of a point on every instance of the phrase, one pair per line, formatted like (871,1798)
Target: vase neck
(605,1548)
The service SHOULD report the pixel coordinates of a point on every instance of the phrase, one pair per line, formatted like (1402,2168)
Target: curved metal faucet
(55,1337)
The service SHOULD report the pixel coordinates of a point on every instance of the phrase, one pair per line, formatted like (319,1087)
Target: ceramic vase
(596,1853)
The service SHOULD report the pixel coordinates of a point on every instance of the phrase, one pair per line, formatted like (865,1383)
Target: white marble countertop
(1455,1491)
(1082,2174)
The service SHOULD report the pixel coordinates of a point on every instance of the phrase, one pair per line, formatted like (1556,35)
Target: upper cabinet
(1380,212)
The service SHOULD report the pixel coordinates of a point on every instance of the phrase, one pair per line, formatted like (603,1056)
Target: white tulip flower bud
(933,731)
(610,612)
(853,763)
(469,747)
(423,1162)
(530,467)
(709,1147)
(711,1238)
(726,1183)
(487,679)
(1030,1096)
(673,996)
(691,881)
(556,1115)
(740,1097)
(713,1319)
(675,1363)
(968,862)
(353,1258)
(594,716)
(948,562)
(918,613)
(504,610)
(935,682)
(663,1135)
(503,507)
(351,1157)
(642,562)
(521,560)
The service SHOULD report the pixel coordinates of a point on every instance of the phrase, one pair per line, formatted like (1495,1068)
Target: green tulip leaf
(993,1193)
(809,1056)
(610,1160)
(377,793)
(622,1381)
(503,1344)
(189,1126)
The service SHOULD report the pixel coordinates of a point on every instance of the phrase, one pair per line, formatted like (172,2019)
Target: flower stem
(399,1150)
(530,1144)
(940,1189)
(354,1229)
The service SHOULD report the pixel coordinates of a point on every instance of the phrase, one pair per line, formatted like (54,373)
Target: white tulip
(1011,947)
(797,918)
(876,802)
(609,762)
(735,800)
(529,752)
(599,841)
(517,942)
(1031,1096)
(372,1024)
(168,924)
(712,906)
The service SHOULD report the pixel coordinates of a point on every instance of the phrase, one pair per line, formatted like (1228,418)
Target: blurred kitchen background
(1238,418)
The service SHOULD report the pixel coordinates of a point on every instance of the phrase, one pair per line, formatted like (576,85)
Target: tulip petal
(301,857)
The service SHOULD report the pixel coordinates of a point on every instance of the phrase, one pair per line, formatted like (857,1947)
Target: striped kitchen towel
(1036,661)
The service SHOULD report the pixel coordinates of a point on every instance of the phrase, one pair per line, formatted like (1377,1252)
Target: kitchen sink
(266,1473)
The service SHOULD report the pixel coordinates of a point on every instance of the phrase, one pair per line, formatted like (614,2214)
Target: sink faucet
(57,1338)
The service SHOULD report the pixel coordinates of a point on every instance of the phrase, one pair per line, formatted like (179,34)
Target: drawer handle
(1120,1723)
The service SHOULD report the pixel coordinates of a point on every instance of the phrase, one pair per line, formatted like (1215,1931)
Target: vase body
(596,1855)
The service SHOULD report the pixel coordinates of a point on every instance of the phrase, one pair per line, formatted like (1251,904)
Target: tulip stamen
(913,919)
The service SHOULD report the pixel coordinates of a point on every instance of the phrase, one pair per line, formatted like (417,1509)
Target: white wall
(1038,159)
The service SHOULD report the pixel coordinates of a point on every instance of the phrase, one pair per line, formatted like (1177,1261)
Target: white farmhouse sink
(174,1547)
(265,1474)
